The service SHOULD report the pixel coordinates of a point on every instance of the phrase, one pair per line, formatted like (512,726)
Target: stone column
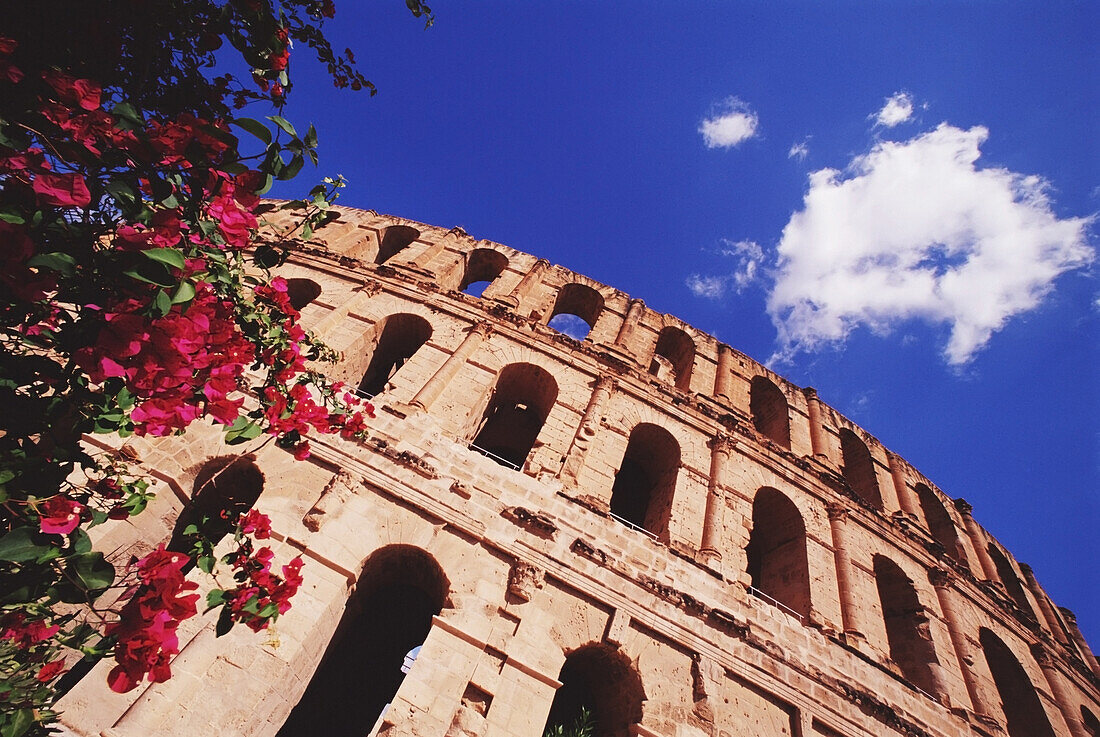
(1052,621)
(989,568)
(724,378)
(447,372)
(721,448)
(850,608)
(1079,639)
(590,423)
(630,321)
(1054,682)
(942,581)
(906,496)
(527,283)
(817,432)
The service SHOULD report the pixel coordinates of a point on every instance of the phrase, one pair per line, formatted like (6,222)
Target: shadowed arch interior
(1023,710)
(859,468)
(939,522)
(601,679)
(1010,580)
(770,412)
(394,239)
(399,337)
(301,292)
(519,403)
(580,300)
(907,631)
(224,488)
(399,591)
(483,266)
(1092,724)
(646,481)
(674,357)
(777,551)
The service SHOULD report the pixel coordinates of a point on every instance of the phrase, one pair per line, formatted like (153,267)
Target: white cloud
(749,256)
(914,230)
(799,149)
(897,110)
(733,123)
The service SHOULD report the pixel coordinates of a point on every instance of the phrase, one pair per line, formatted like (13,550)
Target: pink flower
(64,190)
(59,515)
(256,524)
(50,670)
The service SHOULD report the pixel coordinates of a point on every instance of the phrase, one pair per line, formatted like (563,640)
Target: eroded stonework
(645,522)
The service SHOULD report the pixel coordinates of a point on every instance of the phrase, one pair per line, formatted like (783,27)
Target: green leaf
(170,256)
(283,123)
(127,112)
(23,544)
(311,137)
(123,193)
(152,273)
(80,542)
(268,181)
(206,563)
(254,127)
(185,293)
(242,430)
(56,261)
(216,597)
(225,622)
(291,170)
(92,571)
(11,217)
(162,302)
(6,475)
(18,723)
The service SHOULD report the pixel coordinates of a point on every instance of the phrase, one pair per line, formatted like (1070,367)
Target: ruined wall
(645,522)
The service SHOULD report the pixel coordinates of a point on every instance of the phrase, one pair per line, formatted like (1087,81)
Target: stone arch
(578,300)
(907,631)
(645,483)
(399,591)
(393,239)
(859,468)
(1023,711)
(1010,580)
(301,292)
(601,679)
(397,338)
(939,522)
(518,405)
(1091,723)
(777,560)
(482,267)
(770,411)
(673,357)
(224,488)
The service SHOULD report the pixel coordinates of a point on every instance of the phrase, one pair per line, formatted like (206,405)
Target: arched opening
(859,468)
(399,337)
(384,621)
(939,521)
(602,680)
(1023,711)
(1011,582)
(301,292)
(907,629)
(224,488)
(673,358)
(646,481)
(519,403)
(483,266)
(576,301)
(1091,723)
(778,564)
(770,412)
(394,239)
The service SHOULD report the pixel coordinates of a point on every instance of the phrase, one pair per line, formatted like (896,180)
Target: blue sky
(891,202)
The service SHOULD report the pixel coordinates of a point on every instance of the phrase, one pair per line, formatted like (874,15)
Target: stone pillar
(942,581)
(989,568)
(328,324)
(1079,639)
(527,283)
(817,432)
(1054,682)
(721,448)
(906,496)
(630,321)
(724,377)
(447,372)
(850,608)
(590,423)
(1052,621)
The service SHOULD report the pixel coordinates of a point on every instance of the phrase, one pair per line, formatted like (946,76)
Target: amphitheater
(646,523)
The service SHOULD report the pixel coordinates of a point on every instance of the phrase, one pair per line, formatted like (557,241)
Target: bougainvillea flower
(59,515)
(63,190)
